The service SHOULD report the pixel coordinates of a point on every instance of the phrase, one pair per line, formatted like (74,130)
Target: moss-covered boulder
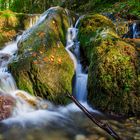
(114,76)
(44,68)
(87,29)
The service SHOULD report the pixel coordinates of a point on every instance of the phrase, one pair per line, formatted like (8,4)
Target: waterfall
(7,82)
(25,103)
(81,76)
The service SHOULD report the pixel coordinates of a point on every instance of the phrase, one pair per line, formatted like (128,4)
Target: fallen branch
(102,125)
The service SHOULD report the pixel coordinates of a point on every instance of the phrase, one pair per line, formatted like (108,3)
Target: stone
(113,75)
(80,137)
(7,104)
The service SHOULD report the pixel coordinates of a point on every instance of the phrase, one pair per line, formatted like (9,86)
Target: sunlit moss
(8,19)
(8,23)
(88,27)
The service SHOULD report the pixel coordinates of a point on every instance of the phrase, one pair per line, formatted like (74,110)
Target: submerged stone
(7,104)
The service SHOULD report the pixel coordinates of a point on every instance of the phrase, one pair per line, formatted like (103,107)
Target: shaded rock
(113,80)
(7,104)
(44,67)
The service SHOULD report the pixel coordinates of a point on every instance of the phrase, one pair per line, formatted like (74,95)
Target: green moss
(88,27)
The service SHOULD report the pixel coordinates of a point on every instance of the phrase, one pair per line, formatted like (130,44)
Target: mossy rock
(114,83)
(113,76)
(87,29)
(44,68)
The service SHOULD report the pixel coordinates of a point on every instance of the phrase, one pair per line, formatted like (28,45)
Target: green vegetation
(38,6)
(125,8)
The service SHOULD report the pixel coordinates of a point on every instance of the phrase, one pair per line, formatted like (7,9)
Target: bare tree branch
(99,123)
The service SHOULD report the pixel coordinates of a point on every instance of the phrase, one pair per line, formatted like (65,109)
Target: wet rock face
(44,67)
(113,80)
(4,58)
(7,104)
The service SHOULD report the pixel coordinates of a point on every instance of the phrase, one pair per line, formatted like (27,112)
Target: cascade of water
(71,34)
(136,30)
(32,19)
(25,103)
(7,82)
(27,33)
(81,76)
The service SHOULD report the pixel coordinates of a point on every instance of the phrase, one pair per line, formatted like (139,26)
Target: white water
(32,20)
(136,32)
(8,85)
(25,103)
(27,33)
(81,76)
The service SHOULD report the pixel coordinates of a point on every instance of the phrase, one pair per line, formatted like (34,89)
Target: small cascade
(31,20)
(136,30)
(81,76)
(71,35)
(27,33)
(7,82)
(133,30)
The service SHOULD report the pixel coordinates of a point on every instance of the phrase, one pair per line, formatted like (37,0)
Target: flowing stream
(37,119)
(81,76)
